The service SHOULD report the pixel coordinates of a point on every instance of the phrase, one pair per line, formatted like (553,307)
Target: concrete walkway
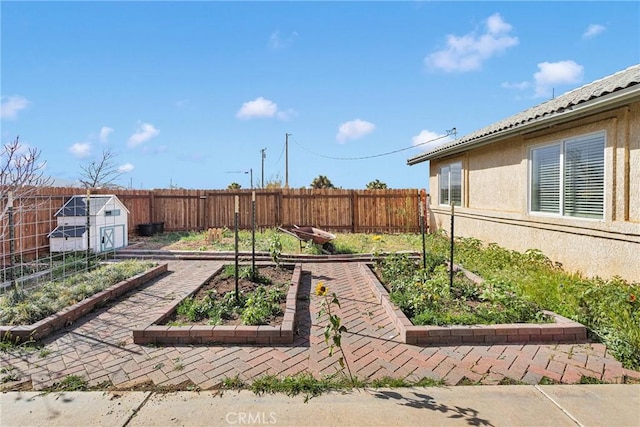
(558,405)
(100,347)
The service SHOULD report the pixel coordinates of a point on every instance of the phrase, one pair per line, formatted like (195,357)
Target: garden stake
(12,245)
(253,235)
(88,227)
(451,252)
(235,221)
(424,243)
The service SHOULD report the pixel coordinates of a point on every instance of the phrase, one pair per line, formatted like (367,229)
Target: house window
(114,212)
(567,178)
(451,184)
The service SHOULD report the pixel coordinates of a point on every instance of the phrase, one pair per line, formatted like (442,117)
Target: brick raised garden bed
(154,333)
(67,316)
(562,330)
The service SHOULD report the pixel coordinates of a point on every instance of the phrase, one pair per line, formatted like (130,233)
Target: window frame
(448,166)
(562,144)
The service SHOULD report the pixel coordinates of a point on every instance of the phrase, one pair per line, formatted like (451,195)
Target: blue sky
(188,93)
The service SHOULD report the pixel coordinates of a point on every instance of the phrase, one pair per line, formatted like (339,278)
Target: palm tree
(234,186)
(322,181)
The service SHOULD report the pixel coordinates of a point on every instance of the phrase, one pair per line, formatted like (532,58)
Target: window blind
(584,177)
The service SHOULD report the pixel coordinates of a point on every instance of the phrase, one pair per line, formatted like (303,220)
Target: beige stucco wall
(495,199)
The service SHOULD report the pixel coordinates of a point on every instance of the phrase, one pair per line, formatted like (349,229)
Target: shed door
(107,238)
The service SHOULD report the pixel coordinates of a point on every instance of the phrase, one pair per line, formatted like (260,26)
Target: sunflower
(321,289)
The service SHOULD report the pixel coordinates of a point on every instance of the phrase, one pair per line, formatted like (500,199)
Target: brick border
(562,331)
(205,334)
(68,315)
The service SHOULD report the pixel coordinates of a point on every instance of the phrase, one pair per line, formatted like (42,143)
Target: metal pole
(424,243)
(451,251)
(253,235)
(286,160)
(12,245)
(235,221)
(88,227)
(263,156)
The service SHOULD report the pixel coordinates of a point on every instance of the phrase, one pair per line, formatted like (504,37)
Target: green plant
(275,249)
(233,383)
(334,328)
(303,383)
(255,308)
(70,383)
(8,374)
(53,296)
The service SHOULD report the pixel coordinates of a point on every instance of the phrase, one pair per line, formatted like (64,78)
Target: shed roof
(77,205)
(68,231)
(598,94)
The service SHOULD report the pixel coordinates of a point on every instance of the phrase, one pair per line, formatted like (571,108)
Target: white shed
(107,222)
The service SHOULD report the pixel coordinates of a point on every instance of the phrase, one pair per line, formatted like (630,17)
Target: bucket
(158,227)
(145,229)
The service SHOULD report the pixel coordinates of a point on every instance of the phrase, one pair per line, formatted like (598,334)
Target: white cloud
(80,150)
(127,167)
(182,103)
(276,42)
(519,86)
(553,74)
(144,133)
(427,140)
(104,133)
(468,52)
(286,115)
(259,107)
(354,129)
(11,105)
(593,30)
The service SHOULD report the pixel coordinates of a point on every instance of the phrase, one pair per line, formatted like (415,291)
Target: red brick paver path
(100,346)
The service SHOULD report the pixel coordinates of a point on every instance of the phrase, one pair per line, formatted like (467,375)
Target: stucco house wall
(495,195)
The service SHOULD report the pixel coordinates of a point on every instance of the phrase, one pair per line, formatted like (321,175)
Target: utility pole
(263,157)
(286,160)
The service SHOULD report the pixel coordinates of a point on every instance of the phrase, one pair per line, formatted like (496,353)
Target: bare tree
(21,172)
(102,172)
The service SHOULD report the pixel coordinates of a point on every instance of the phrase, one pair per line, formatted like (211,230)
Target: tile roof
(615,82)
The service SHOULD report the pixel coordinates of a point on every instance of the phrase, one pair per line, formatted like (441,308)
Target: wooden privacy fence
(371,211)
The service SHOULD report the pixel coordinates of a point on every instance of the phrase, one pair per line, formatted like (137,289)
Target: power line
(449,133)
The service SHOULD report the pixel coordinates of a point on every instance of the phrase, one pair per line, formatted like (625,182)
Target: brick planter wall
(562,331)
(67,316)
(205,334)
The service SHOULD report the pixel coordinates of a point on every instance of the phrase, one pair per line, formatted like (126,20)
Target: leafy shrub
(610,309)
(254,308)
(427,297)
